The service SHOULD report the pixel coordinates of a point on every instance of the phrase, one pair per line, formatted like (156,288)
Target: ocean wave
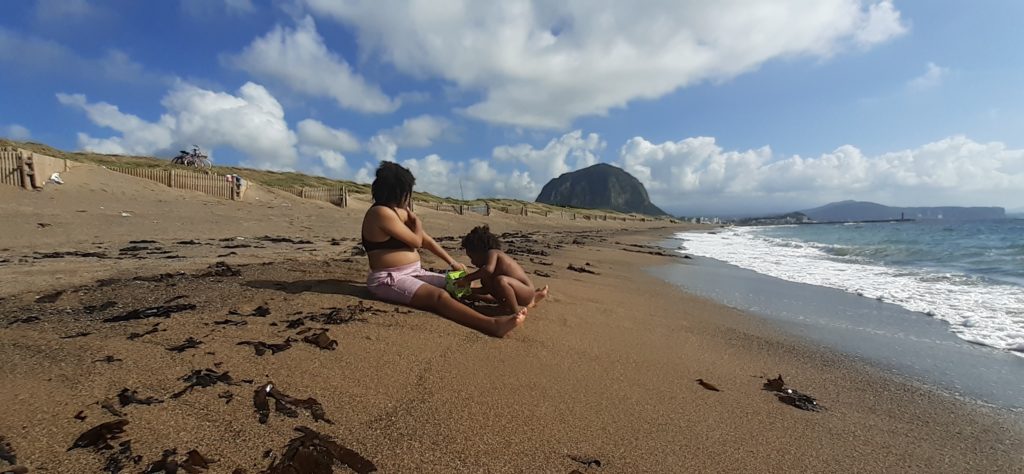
(978,309)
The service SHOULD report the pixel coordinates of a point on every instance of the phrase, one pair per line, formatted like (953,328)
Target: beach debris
(260,311)
(99,437)
(153,330)
(43,225)
(109,359)
(133,249)
(143,242)
(587,461)
(231,322)
(190,343)
(109,406)
(229,254)
(774,385)
(99,307)
(321,340)
(708,386)
(128,397)
(50,298)
(261,347)
(193,463)
(188,242)
(790,396)
(542,273)
(152,312)
(161,278)
(25,320)
(582,269)
(76,335)
(118,460)
(202,379)
(236,246)
(283,240)
(73,253)
(539,261)
(80,416)
(348,314)
(227,396)
(221,269)
(285,404)
(7,452)
(294,323)
(316,452)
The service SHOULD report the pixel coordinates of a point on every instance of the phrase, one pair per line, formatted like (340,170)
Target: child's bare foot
(503,325)
(541,294)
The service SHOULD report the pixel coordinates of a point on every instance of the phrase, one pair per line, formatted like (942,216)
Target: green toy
(453,289)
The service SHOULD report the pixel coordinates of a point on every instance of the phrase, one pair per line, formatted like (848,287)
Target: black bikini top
(390,244)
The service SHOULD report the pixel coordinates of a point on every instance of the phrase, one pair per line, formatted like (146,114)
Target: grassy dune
(289,180)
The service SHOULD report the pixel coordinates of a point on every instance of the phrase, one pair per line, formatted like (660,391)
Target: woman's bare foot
(503,325)
(541,294)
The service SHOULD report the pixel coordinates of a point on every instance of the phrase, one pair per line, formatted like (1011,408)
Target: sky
(733,107)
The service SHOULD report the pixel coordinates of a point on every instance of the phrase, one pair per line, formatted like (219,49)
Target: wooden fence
(213,184)
(10,167)
(337,195)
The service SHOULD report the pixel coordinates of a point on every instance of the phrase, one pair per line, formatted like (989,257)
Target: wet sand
(605,370)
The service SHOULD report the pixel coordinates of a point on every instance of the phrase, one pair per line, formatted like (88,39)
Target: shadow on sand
(327,287)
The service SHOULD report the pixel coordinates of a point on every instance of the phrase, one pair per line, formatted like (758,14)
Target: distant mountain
(601,186)
(869,211)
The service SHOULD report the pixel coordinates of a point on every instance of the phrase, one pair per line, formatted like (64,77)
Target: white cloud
(696,175)
(569,152)
(31,57)
(881,23)
(251,122)
(215,9)
(384,148)
(299,58)
(315,133)
(543,64)
(932,77)
(416,132)
(64,11)
(16,132)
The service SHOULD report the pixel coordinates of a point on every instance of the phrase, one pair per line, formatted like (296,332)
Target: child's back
(502,279)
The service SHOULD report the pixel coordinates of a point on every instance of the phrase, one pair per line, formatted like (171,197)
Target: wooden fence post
(23,171)
(170,178)
(344,196)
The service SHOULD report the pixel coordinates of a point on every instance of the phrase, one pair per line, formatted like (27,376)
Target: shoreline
(910,344)
(603,369)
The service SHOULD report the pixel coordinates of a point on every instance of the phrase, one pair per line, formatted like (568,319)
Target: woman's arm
(434,248)
(410,233)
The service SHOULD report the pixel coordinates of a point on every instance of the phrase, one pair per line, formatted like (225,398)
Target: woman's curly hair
(393,185)
(480,239)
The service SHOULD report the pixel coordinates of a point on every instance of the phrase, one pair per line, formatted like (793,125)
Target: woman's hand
(458,266)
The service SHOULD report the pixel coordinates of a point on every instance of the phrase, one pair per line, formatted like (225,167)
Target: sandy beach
(600,378)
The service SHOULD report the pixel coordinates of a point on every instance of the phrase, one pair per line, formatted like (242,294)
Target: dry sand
(605,369)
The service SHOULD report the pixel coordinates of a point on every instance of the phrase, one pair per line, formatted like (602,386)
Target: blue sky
(719,107)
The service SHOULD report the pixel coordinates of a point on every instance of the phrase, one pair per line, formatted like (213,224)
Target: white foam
(982,313)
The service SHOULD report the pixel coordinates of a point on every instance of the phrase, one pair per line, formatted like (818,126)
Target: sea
(942,301)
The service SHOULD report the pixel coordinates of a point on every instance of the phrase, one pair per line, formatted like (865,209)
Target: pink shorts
(398,284)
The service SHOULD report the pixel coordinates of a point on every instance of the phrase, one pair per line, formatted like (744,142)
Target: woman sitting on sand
(392,235)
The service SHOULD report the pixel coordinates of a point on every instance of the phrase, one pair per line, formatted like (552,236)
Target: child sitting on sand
(502,279)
